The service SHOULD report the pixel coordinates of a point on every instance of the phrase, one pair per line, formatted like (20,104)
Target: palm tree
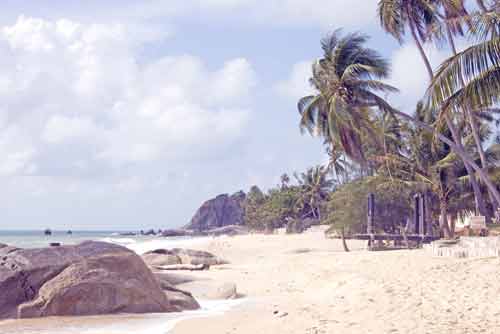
(285,181)
(470,79)
(428,165)
(454,18)
(346,80)
(421,16)
(315,189)
(418,15)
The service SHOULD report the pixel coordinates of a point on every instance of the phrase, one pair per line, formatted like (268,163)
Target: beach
(306,284)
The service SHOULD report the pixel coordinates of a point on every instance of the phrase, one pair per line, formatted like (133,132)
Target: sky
(127,115)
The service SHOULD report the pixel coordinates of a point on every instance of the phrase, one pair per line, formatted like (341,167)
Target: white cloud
(60,129)
(297,85)
(324,13)
(76,94)
(410,75)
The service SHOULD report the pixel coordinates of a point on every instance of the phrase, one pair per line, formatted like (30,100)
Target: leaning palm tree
(421,16)
(346,80)
(454,20)
(315,188)
(471,78)
(417,15)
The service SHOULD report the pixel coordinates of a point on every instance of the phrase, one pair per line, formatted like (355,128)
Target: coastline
(306,284)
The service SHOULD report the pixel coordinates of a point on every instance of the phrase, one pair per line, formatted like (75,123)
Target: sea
(108,324)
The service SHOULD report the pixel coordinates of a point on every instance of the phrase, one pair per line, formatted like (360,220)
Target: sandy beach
(306,284)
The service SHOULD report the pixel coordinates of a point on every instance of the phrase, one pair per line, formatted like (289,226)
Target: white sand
(329,291)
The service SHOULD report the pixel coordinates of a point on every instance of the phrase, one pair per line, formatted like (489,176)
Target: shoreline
(306,284)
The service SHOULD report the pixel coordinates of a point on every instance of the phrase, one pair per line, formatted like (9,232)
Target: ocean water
(108,324)
(138,243)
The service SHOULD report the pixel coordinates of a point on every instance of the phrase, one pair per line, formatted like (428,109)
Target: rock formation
(168,257)
(221,211)
(91,278)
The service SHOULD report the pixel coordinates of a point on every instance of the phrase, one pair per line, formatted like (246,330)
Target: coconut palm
(455,17)
(346,80)
(470,79)
(315,188)
(285,181)
(417,15)
(430,166)
(421,16)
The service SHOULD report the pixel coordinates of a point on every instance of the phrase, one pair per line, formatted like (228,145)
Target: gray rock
(169,257)
(230,230)
(196,257)
(161,257)
(221,211)
(176,233)
(91,278)
(211,290)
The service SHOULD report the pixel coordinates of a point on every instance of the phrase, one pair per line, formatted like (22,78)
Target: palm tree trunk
(478,195)
(475,186)
(458,150)
(420,48)
(474,127)
(443,221)
(481,5)
(344,243)
(457,147)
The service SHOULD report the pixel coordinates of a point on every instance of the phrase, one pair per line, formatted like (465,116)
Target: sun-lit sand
(307,284)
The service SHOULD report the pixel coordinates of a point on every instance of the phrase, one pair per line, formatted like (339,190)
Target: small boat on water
(69,232)
(47,232)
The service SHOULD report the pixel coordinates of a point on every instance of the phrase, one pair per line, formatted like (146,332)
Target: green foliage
(287,203)
(267,212)
(346,83)
(347,207)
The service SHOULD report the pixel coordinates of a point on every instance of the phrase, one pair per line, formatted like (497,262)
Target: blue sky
(129,114)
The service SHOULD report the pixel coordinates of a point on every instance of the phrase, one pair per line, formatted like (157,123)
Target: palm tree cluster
(447,148)
(288,202)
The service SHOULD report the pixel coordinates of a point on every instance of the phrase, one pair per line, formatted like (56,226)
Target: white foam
(141,247)
(119,241)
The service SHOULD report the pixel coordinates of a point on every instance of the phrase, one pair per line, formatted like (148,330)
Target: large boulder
(221,211)
(161,257)
(178,298)
(166,257)
(210,290)
(91,278)
(196,257)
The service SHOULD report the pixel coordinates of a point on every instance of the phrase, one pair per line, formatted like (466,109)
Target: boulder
(211,290)
(196,257)
(176,233)
(174,279)
(230,230)
(149,232)
(178,298)
(178,256)
(221,211)
(181,300)
(161,257)
(91,278)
